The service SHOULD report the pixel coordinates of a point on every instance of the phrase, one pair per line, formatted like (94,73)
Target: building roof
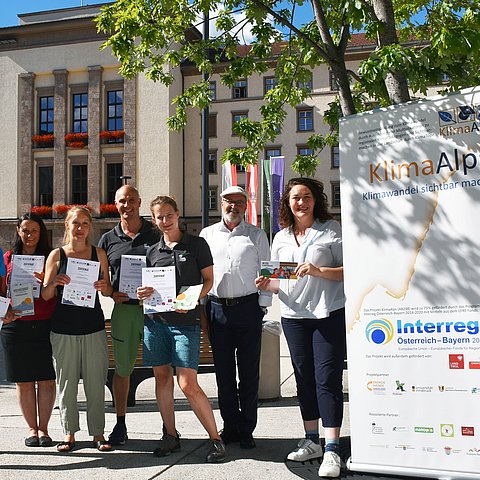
(356,40)
(88,11)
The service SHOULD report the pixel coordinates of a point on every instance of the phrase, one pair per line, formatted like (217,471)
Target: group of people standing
(225,259)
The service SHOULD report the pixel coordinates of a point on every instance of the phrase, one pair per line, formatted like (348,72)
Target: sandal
(68,447)
(102,445)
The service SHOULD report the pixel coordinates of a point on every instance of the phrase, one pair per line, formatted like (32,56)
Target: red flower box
(108,210)
(112,136)
(43,141)
(43,211)
(76,140)
(62,209)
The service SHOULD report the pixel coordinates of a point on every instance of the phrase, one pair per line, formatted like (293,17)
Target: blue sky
(10,8)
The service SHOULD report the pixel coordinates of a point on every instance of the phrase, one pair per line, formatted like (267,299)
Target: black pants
(317,349)
(235,335)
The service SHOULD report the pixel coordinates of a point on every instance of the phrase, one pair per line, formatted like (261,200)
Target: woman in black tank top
(78,333)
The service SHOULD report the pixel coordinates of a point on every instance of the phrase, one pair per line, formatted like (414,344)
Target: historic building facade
(72,127)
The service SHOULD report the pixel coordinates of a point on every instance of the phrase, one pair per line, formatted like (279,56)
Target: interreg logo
(379,331)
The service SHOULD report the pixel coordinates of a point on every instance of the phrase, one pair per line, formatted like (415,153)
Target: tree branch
(292,27)
(370,9)
(323,27)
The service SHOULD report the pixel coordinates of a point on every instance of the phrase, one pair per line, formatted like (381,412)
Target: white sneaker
(330,466)
(306,450)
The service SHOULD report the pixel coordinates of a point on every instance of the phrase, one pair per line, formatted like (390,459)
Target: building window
(307,84)
(212,198)
(335,194)
(240,89)
(114,182)
(45,185)
(445,78)
(272,152)
(335,154)
(333,82)
(212,88)
(212,161)
(240,168)
(212,125)
(115,110)
(304,150)
(80,113)
(79,184)
(46,115)
(269,83)
(305,120)
(236,117)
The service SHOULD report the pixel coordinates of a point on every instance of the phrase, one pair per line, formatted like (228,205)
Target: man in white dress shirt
(235,310)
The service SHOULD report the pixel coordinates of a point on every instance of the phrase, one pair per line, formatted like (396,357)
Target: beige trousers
(81,357)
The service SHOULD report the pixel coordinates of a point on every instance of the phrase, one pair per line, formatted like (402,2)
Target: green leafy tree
(417,42)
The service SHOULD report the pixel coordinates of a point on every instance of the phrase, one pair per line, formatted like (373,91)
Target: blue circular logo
(379,331)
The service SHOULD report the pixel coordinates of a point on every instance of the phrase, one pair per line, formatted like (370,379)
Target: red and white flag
(229,175)
(252,191)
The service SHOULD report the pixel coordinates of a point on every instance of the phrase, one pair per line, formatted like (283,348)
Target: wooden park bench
(141,372)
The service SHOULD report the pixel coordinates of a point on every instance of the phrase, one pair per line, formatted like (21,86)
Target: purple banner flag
(277,172)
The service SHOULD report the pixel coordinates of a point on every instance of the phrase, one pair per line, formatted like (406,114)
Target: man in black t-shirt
(131,236)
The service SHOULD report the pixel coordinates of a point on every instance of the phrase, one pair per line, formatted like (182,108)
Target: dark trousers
(235,336)
(317,349)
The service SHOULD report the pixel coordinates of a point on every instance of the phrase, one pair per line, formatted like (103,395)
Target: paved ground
(279,428)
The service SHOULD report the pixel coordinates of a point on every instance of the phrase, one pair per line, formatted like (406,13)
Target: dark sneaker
(167,445)
(247,441)
(119,435)
(216,452)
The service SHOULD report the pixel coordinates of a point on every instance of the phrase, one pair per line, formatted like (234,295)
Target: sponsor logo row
(447,449)
(444,430)
(382,387)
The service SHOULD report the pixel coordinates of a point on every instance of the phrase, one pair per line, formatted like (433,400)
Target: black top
(116,243)
(72,319)
(190,255)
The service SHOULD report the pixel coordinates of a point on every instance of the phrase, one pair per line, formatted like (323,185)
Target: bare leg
(27,399)
(310,425)
(46,393)
(332,433)
(164,395)
(121,385)
(187,380)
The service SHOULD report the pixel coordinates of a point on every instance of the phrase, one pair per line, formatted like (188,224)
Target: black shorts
(28,351)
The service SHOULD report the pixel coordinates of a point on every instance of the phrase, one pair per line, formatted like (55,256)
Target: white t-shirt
(311,297)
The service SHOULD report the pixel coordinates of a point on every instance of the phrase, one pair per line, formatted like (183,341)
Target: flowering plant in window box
(76,140)
(44,140)
(112,136)
(61,209)
(108,210)
(43,211)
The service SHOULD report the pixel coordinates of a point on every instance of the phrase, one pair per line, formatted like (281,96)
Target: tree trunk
(339,71)
(335,58)
(395,81)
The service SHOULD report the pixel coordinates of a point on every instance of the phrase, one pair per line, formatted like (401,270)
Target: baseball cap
(234,190)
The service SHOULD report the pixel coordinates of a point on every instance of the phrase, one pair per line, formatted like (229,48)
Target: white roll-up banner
(410,194)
